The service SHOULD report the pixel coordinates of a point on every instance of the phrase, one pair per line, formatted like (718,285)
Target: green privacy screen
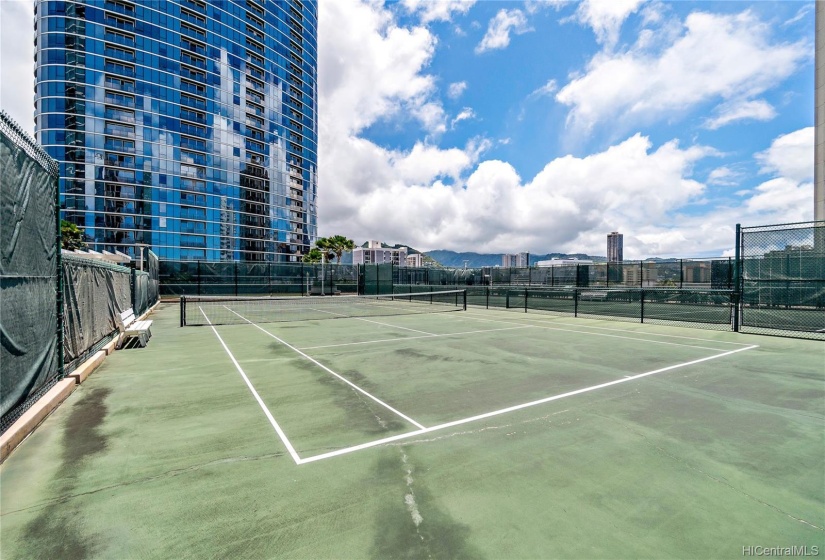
(29,263)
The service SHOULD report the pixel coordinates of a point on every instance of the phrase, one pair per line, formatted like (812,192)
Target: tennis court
(351,427)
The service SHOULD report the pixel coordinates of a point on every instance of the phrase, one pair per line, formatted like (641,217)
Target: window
(119,83)
(118,129)
(120,99)
(123,115)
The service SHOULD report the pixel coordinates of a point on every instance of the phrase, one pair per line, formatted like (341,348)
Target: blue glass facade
(186,125)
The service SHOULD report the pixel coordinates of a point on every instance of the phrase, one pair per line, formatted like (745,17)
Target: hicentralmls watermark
(780,550)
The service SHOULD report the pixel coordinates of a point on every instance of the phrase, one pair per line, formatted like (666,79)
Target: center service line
(325,368)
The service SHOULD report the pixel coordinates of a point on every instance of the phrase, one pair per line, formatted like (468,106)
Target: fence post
(269,277)
(576,285)
(641,274)
(199,277)
(607,274)
(235,269)
(737,299)
(682,272)
(487,289)
(133,286)
(525,299)
(552,276)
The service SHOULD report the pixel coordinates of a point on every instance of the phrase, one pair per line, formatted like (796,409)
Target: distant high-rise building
(615,247)
(186,125)
(518,260)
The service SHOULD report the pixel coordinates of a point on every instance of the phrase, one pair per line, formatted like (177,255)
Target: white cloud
(465,114)
(456,89)
(498,31)
(637,86)
(16,56)
(547,89)
(369,68)
(790,156)
(605,17)
(724,176)
(438,10)
(740,110)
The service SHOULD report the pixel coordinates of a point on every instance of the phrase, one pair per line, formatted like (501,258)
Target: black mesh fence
(782,279)
(244,278)
(672,273)
(30,318)
(94,293)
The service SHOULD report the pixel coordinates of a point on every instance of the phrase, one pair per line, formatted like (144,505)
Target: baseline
(486,415)
(325,368)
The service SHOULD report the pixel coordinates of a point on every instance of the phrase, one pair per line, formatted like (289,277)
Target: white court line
(325,368)
(454,423)
(255,394)
(416,337)
(623,330)
(596,334)
(371,321)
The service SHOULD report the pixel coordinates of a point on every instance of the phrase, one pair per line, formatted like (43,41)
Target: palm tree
(324,245)
(314,256)
(338,244)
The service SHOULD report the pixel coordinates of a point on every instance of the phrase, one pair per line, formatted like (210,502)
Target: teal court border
(421,429)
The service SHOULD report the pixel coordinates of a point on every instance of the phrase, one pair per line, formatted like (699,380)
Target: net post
(235,272)
(642,305)
(199,277)
(525,300)
(464,294)
(682,273)
(737,300)
(507,300)
(182,311)
(575,302)
(488,296)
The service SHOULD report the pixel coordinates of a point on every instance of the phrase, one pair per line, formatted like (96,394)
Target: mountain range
(452,259)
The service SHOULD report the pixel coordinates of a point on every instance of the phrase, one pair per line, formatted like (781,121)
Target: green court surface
(471,434)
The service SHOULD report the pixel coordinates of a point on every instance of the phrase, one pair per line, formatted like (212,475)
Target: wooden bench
(132,329)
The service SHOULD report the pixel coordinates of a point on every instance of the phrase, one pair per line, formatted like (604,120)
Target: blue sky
(541,126)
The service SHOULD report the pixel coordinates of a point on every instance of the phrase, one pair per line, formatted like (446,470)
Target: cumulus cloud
(434,197)
(438,10)
(740,110)
(456,89)
(606,18)
(369,68)
(725,57)
(498,31)
(790,155)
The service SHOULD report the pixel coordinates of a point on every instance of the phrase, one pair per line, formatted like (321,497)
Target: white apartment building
(557,262)
(415,260)
(374,253)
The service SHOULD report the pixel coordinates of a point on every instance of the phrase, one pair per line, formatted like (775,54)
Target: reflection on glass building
(186,125)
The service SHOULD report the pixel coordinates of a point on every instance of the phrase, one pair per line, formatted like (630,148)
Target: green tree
(314,256)
(337,245)
(71,236)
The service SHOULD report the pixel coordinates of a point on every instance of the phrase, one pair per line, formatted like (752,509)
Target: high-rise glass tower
(615,247)
(189,126)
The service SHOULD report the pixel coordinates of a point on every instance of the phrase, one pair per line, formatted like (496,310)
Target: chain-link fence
(30,313)
(782,279)
(708,308)
(671,273)
(243,278)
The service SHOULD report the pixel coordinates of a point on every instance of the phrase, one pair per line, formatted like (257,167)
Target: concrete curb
(33,417)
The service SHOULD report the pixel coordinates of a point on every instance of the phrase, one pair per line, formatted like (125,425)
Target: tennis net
(196,311)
